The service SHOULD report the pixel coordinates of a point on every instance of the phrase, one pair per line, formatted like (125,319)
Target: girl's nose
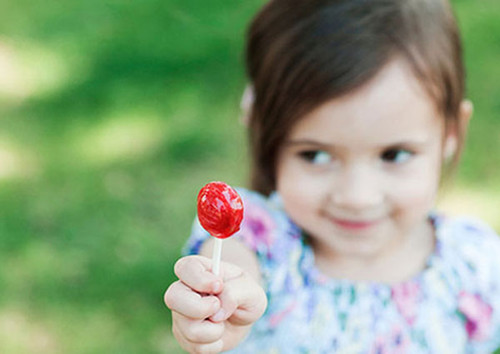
(357,189)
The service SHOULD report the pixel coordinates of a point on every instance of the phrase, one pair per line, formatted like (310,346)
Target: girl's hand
(212,313)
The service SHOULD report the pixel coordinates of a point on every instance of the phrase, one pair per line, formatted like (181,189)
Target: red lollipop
(220,211)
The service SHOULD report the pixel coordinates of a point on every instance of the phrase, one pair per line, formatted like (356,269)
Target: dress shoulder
(472,250)
(474,245)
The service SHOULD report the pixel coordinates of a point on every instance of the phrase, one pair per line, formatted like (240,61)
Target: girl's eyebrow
(419,141)
(307,142)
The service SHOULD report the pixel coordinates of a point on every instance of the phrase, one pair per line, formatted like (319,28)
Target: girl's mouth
(354,225)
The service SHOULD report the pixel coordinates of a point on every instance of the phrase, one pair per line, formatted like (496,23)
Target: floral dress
(452,306)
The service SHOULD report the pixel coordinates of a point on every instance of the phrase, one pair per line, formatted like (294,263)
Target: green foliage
(112,116)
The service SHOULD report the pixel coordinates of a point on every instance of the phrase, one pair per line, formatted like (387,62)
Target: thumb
(243,300)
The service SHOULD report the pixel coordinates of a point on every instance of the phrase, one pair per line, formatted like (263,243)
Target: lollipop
(220,211)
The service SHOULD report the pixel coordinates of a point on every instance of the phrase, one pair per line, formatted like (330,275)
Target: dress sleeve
(493,247)
(480,304)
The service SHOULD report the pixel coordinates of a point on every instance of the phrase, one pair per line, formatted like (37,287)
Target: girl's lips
(352,224)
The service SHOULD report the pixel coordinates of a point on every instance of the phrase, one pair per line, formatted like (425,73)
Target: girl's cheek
(418,192)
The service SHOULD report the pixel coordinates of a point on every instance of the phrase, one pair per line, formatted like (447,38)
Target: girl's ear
(466,110)
(460,130)
(246,104)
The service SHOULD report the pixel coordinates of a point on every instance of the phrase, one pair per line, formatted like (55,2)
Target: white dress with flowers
(453,306)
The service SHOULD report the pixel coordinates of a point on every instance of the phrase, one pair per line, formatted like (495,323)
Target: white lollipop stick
(216,256)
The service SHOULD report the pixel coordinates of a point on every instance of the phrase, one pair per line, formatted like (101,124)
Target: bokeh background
(113,114)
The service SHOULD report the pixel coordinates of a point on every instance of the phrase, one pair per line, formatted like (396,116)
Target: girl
(358,105)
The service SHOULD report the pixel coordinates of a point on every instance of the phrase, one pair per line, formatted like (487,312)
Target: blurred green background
(113,114)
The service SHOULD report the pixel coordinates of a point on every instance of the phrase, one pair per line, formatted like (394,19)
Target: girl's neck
(399,263)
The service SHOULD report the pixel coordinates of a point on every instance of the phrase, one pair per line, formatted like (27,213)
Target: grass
(112,116)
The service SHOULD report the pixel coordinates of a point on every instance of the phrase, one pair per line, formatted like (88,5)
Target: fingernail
(217,287)
(219,315)
(216,303)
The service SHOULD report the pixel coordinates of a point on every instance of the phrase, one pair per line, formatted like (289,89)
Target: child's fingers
(213,347)
(195,272)
(243,301)
(182,299)
(200,332)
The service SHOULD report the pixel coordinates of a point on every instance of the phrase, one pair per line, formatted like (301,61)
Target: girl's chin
(360,245)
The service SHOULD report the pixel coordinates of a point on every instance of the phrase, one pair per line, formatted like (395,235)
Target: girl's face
(360,173)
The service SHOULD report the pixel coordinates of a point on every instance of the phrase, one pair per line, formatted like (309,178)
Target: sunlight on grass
(99,325)
(21,334)
(474,202)
(187,111)
(127,137)
(15,163)
(164,342)
(29,70)
(35,267)
(11,79)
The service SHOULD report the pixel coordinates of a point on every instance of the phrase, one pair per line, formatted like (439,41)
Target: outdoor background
(113,114)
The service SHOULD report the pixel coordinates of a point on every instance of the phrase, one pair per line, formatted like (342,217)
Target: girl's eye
(316,157)
(396,155)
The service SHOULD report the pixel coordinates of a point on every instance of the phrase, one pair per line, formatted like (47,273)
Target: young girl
(358,106)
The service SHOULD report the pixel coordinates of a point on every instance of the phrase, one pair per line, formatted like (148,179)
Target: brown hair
(302,53)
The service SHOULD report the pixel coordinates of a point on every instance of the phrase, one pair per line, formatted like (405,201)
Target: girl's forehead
(393,105)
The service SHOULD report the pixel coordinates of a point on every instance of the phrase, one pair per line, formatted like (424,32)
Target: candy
(220,209)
